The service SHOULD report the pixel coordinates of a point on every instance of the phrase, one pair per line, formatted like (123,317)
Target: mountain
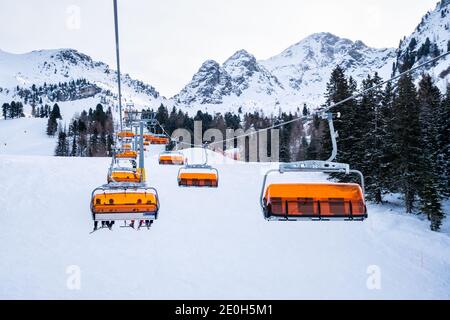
(296,76)
(305,68)
(300,73)
(286,81)
(431,38)
(241,79)
(20,74)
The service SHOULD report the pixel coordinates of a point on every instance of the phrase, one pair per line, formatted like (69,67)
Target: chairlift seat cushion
(339,200)
(124,202)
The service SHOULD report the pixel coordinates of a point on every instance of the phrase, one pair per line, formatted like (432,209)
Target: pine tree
(20,113)
(162,115)
(429,98)
(369,148)
(93,144)
(52,126)
(305,111)
(56,113)
(5,110)
(387,169)
(13,110)
(339,89)
(62,148)
(74,151)
(285,134)
(109,144)
(407,148)
(443,155)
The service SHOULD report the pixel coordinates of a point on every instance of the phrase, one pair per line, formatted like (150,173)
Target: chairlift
(314,201)
(124,202)
(198,175)
(171,158)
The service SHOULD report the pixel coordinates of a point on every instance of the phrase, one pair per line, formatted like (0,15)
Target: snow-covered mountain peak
(59,66)
(430,39)
(208,85)
(214,84)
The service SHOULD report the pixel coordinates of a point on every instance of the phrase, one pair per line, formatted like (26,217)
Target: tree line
(90,134)
(398,136)
(12,110)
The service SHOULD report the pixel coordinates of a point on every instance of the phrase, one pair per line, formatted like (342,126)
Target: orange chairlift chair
(126,154)
(125,135)
(198,175)
(314,201)
(126,146)
(117,173)
(124,202)
(171,158)
(157,139)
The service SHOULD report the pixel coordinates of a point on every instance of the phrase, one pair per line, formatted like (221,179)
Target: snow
(435,27)
(207,243)
(287,81)
(63,65)
(25,136)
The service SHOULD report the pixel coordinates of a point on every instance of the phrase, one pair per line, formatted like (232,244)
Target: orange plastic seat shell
(171,159)
(278,196)
(158,140)
(198,179)
(124,203)
(124,176)
(125,134)
(127,154)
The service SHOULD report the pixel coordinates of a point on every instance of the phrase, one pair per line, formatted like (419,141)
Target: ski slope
(207,243)
(25,136)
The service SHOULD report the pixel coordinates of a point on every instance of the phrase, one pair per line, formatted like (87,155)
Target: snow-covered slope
(296,76)
(64,65)
(305,67)
(25,136)
(431,38)
(240,81)
(201,247)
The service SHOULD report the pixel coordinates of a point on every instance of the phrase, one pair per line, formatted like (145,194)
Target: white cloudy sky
(164,42)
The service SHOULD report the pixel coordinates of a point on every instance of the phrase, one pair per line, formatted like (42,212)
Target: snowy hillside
(305,68)
(47,67)
(240,82)
(431,38)
(201,247)
(297,76)
(25,137)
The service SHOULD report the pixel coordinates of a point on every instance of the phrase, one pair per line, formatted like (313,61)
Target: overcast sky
(164,42)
